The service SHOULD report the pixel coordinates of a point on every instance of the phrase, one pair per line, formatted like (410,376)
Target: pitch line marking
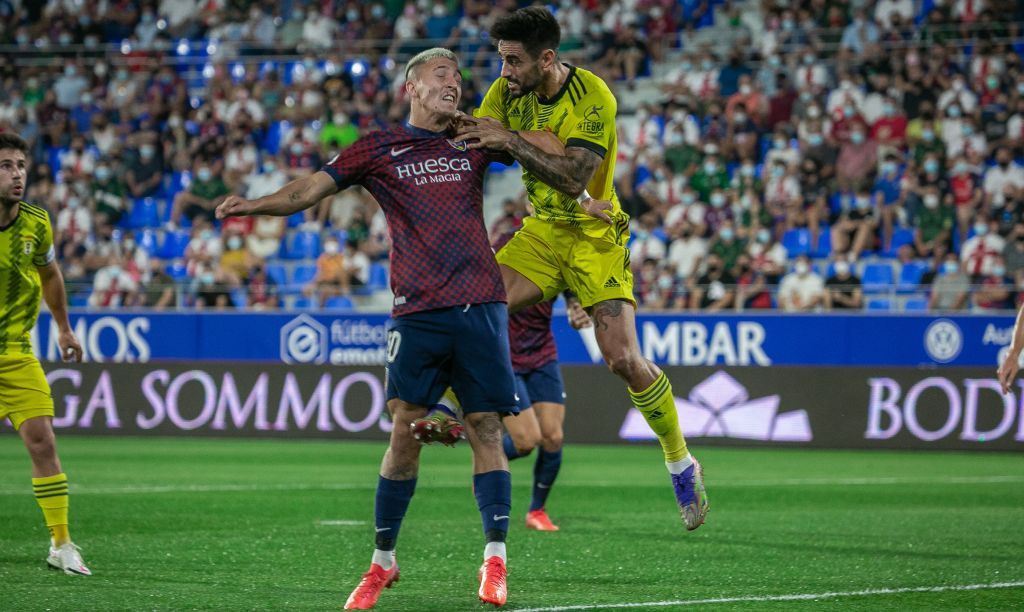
(790,597)
(79,489)
(340,523)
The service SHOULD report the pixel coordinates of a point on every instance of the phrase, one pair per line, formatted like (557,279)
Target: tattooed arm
(567,173)
(297,195)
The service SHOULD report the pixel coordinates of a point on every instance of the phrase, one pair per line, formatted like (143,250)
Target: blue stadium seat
(148,240)
(916,305)
(79,299)
(301,275)
(900,237)
(824,248)
(304,302)
(173,245)
(272,139)
(145,212)
(177,271)
(339,302)
(278,274)
(295,220)
(797,241)
(174,183)
(910,276)
(879,304)
(877,278)
(378,277)
(239,297)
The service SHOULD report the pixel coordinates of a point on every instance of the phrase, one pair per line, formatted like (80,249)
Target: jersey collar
(418,131)
(13,221)
(561,92)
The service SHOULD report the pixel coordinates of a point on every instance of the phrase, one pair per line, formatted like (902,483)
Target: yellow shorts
(591,260)
(24,392)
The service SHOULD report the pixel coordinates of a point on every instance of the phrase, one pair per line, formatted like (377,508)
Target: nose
(505,70)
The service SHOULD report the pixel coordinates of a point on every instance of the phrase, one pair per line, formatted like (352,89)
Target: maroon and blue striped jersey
(431,191)
(530,338)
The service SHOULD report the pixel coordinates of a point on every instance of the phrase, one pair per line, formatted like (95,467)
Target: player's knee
(625,364)
(552,441)
(526,442)
(486,426)
(41,445)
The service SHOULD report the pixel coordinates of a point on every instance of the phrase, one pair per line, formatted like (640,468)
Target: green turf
(248,534)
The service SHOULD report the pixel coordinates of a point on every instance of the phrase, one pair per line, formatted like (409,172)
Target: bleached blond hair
(425,56)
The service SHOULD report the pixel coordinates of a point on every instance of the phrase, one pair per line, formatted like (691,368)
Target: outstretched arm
(297,195)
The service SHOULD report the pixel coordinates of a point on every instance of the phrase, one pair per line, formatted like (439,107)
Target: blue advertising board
(667,339)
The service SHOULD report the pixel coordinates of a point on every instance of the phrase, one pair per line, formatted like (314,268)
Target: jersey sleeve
(44,252)
(493,104)
(351,165)
(595,122)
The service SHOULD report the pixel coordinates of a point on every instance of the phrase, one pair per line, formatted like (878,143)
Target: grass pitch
(174,524)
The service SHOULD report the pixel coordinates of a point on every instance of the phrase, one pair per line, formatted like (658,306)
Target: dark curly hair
(10,140)
(534,27)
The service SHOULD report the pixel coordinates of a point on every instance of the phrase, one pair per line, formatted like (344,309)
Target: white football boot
(68,559)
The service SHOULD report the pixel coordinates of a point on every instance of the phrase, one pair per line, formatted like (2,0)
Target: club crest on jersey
(458,146)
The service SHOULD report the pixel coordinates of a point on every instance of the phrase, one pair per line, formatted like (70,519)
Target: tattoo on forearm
(609,309)
(567,173)
(294,196)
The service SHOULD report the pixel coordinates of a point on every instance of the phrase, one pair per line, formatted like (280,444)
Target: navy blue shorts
(464,347)
(543,384)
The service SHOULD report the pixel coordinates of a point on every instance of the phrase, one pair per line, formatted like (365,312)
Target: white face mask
(331,248)
(802,268)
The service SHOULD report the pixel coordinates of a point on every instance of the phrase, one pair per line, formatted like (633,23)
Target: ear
(410,88)
(547,58)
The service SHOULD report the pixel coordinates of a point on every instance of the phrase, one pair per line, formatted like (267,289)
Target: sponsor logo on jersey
(593,113)
(436,170)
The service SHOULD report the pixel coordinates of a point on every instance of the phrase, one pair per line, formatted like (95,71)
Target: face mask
(928,135)
(147,151)
(775,61)
(889,110)
(206,278)
(206,234)
(686,66)
(710,167)
(960,169)
(950,267)
(808,59)
(931,166)
(269,166)
(763,236)
(665,282)
(842,268)
(707,65)
(815,139)
(863,202)
(778,171)
(351,15)
(1020,88)
(739,118)
(331,248)
(857,137)
(958,85)
(992,82)
(814,112)
(954,111)
(998,271)
(234,243)
(980,229)
(717,200)
(779,143)
(931,201)
(726,234)
(297,148)
(687,198)
(204,174)
(747,171)
(788,24)
(802,268)
(377,11)
(745,89)
(888,168)
(74,203)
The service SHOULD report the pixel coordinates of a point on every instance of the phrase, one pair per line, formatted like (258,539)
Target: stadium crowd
(833,155)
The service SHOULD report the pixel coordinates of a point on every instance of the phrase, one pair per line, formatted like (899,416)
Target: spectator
(202,197)
(113,287)
(933,223)
(210,288)
(145,171)
(1013,253)
(978,254)
(857,159)
(646,243)
(157,287)
(994,291)
(332,272)
(853,231)
(108,194)
(260,289)
(802,290)
(74,224)
(890,196)
(78,163)
(860,33)
(967,194)
(726,247)
(686,252)
(236,260)
(1004,181)
(751,286)
(843,289)
(715,290)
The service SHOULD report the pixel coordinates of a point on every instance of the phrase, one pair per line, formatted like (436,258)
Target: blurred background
(798,156)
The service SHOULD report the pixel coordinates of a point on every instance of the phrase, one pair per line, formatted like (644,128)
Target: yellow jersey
(581,114)
(24,244)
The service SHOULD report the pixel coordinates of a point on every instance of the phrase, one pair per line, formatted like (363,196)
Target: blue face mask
(857,137)
(931,166)
(778,171)
(726,233)
(815,139)
(928,135)
(763,236)
(950,267)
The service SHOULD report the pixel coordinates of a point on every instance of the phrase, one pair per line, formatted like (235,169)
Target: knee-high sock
(52,496)
(658,405)
(545,471)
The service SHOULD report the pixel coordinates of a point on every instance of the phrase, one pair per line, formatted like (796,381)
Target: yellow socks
(52,496)
(658,406)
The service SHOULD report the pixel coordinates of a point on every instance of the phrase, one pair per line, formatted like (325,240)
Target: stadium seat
(303,302)
(900,237)
(910,276)
(797,241)
(79,299)
(173,245)
(301,275)
(295,220)
(378,277)
(339,302)
(239,297)
(278,274)
(177,271)
(877,278)
(145,212)
(879,304)
(148,240)
(301,245)
(916,305)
